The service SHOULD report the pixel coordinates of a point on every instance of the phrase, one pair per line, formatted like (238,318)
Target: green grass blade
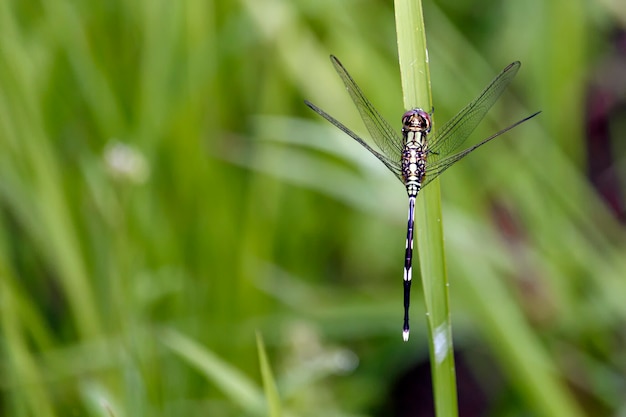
(269,384)
(233,383)
(413,56)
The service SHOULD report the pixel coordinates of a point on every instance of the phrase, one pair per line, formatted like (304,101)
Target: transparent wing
(383,135)
(452,134)
(434,169)
(393,165)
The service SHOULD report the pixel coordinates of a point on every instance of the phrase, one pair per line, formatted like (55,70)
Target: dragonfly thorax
(415,128)
(413,163)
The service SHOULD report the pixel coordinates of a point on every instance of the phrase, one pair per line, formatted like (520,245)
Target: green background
(165,194)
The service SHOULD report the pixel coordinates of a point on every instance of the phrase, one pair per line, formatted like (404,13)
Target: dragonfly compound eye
(416,120)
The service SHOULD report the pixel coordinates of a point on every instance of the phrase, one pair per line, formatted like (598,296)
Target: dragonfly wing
(451,135)
(433,170)
(383,135)
(392,165)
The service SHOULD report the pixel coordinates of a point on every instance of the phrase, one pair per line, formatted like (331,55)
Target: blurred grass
(159,175)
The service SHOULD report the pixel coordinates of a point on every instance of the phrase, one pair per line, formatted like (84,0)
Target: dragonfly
(416,156)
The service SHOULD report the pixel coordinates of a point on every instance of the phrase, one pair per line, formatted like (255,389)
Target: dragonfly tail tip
(405,335)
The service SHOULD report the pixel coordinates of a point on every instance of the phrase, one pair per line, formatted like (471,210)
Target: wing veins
(452,134)
(438,167)
(393,166)
(381,132)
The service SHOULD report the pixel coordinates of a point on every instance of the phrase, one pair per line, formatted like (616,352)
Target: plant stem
(413,57)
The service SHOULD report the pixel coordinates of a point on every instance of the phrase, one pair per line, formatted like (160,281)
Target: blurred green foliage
(165,193)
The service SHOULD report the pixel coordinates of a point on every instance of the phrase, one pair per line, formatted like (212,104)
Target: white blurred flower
(126,163)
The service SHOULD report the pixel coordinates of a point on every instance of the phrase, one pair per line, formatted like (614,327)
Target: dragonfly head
(416,120)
